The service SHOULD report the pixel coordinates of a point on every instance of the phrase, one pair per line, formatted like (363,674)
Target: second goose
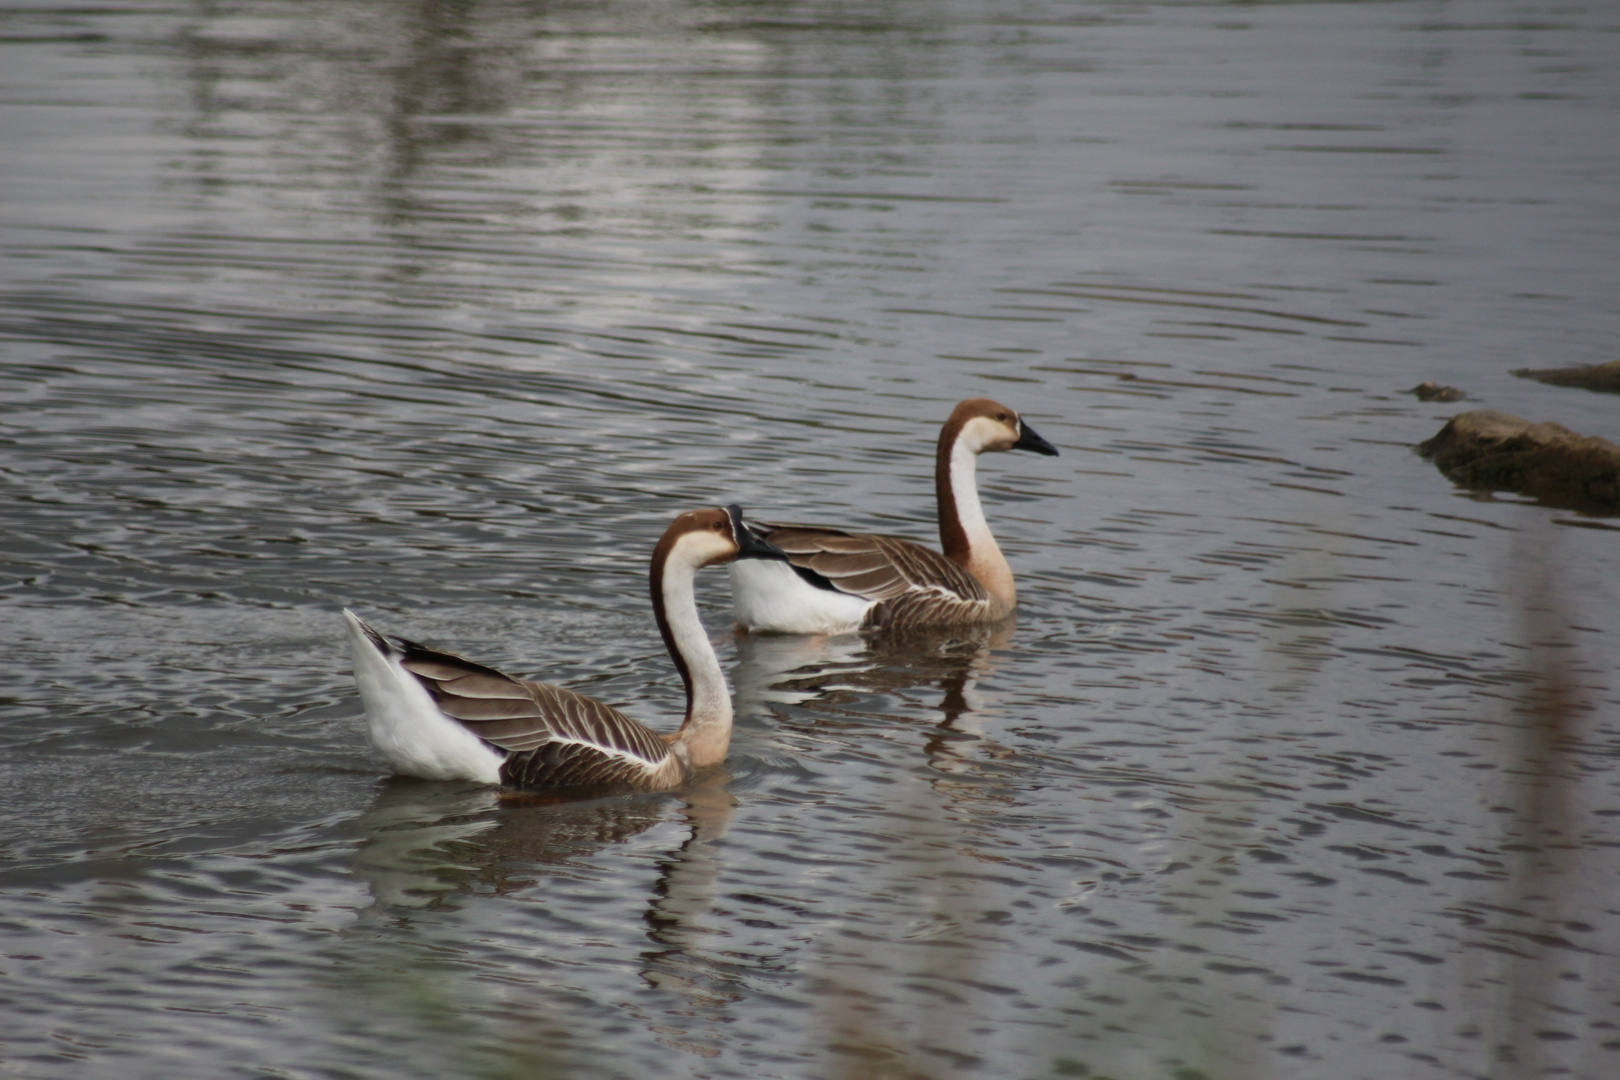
(438,716)
(834,581)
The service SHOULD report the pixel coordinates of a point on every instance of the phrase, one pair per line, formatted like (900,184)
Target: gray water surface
(1298,761)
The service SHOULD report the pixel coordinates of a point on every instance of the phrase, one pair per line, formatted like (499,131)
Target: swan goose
(835,582)
(438,716)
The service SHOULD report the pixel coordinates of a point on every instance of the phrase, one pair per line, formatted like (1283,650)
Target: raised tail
(405,724)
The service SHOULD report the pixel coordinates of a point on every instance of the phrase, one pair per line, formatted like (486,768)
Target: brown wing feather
(547,730)
(928,569)
(574,765)
(851,562)
(915,585)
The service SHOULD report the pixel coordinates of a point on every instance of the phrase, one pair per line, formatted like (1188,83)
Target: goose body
(834,581)
(439,716)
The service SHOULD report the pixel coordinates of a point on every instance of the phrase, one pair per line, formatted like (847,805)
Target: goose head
(983,426)
(711,537)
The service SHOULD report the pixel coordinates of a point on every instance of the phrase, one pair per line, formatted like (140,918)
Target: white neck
(982,557)
(965,493)
(706,731)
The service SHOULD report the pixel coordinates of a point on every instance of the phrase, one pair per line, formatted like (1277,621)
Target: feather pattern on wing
(914,585)
(553,737)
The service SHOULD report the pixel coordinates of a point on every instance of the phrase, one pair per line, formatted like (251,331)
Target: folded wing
(913,584)
(553,737)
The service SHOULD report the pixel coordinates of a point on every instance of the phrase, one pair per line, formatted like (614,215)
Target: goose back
(908,584)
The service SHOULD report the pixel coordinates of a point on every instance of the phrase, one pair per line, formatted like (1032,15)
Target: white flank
(406,726)
(770,597)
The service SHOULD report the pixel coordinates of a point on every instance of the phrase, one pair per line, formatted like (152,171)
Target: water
(1298,761)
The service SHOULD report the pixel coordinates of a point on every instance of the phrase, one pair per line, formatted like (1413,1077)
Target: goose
(439,716)
(835,582)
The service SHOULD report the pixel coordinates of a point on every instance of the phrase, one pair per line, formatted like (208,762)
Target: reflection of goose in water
(827,678)
(835,582)
(421,843)
(437,716)
(688,953)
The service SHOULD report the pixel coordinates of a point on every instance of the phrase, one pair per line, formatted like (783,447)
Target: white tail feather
(407,727)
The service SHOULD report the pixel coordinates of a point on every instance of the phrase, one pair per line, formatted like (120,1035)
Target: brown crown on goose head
(436,715)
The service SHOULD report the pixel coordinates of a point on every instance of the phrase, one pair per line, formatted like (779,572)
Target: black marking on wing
(809,576)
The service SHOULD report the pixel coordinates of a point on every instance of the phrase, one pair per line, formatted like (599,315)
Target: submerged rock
(1433,391)
(1604,378)
(1494,451)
